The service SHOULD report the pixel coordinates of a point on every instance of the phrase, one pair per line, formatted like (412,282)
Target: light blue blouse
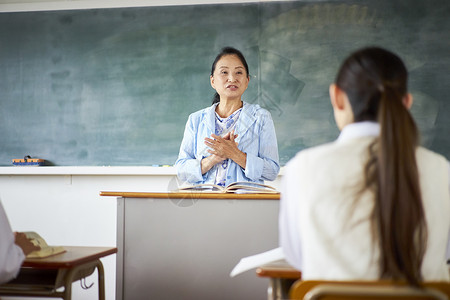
(256,137)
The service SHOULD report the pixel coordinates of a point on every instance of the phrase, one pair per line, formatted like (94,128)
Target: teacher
(231,140)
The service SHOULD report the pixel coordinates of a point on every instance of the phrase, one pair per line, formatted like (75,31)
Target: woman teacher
(231,140)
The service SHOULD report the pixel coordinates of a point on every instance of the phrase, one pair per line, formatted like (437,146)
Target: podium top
(192,195)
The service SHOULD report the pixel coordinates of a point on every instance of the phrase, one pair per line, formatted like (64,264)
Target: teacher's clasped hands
(232,140)
(223,148)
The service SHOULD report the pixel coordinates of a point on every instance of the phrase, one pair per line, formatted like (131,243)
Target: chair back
(370,290)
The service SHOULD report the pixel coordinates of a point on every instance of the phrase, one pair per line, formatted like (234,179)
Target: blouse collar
(359,129)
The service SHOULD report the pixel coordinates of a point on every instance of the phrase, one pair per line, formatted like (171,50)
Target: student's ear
(408,101)
(342,110)
(336,97)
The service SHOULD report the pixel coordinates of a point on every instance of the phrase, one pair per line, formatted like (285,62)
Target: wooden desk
(184,245)
(282,276)
(41,277)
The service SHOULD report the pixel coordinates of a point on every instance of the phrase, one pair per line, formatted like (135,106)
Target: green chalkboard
(115,86)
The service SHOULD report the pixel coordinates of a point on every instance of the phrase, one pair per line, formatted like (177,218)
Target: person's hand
(25,243)
(226,147)
(229,135)
(223,147)
(215,158)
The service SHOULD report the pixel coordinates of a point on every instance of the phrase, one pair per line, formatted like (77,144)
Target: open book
(235,187)
(45,250)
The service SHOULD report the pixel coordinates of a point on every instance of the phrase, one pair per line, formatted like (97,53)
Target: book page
(249,184)
(257,260)
(235,187)
(204,187)
(250,187)
(36,239)
(45,250)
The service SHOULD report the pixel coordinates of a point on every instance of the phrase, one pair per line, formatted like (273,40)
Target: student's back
(335,227)
(359,208)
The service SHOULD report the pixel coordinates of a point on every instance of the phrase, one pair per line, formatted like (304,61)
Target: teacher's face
(230,79)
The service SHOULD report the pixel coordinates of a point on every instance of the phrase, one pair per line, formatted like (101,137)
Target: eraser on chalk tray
(27,161)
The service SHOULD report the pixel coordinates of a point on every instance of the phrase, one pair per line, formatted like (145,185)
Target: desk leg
(67,289)
(101,281)
(274,291)
(74,271)
(279,288)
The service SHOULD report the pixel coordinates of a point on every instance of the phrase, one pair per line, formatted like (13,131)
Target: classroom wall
(66,209)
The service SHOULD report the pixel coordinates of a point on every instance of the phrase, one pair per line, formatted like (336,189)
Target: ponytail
(375,81)
(398,208)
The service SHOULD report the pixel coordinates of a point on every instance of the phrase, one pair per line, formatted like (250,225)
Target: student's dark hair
(223,52)
(375,81)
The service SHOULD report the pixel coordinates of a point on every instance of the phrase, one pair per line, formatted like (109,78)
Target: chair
(370,290)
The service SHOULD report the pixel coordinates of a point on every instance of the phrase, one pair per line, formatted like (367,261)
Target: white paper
(257,260)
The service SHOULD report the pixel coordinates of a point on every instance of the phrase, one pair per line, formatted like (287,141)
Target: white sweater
(326,237)
(11,255)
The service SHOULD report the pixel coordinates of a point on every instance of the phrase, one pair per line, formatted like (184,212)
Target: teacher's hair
(375,81)
(223,52)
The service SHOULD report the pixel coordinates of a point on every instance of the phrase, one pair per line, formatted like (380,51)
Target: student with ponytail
(373,204)
(231,140)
